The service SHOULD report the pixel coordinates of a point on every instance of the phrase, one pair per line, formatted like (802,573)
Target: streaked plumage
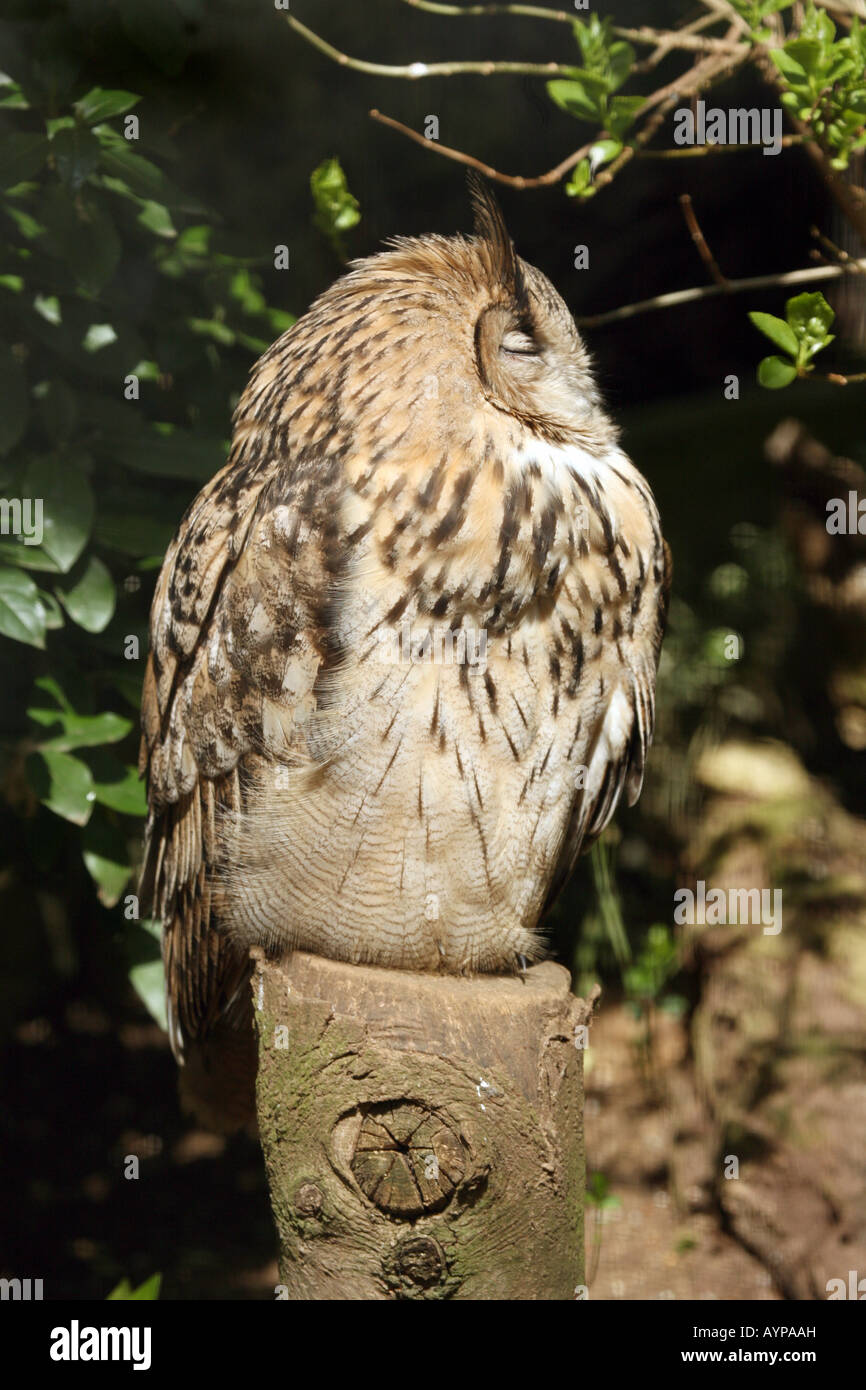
(424,451)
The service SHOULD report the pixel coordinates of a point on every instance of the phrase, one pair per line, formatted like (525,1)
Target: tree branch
(667,39)
(759,282)
(414,71)
(710,68)
(700,241)
(512,180)
(701,75)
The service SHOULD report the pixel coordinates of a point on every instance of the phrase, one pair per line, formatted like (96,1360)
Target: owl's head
(507,333)
(531,360)
(437,342)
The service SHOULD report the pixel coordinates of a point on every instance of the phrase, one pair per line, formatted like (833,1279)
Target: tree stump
(423,1134)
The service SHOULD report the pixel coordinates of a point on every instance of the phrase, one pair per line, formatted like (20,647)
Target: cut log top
(488,1019)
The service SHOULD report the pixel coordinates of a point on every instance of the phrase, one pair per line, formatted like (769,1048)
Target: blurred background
(727,1068)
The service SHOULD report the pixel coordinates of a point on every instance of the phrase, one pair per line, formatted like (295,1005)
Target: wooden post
(423,1134)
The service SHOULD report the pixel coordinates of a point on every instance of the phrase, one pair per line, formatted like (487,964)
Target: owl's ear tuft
(490,228)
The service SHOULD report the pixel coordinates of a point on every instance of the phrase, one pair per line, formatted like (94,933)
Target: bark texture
(423,1134)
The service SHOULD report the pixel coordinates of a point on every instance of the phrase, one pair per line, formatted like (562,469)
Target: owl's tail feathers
(217,1082)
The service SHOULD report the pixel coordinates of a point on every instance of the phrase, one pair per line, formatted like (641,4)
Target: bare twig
(690,42)
(839,256)
(414,71)
(712,67)
(700,241)
(759,282)
(512,180)
(705,151)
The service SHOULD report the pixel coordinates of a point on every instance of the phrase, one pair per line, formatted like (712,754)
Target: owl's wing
(236,646)
(617,758)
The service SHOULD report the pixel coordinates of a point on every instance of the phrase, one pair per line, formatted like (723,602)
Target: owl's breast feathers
(403,654)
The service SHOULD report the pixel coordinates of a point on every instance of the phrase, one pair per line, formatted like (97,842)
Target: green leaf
(790,69)
(777,330)
(63,784)
(214,329)
(11,96)
(88,595)
(156,218)
(15,406)
(621,58)
(574,98)
(76,152)
(195,241)
(22,613)
(53,612)
(21,156)
(149,1290)
(98,336)
(579,179)
(146,974)
(775,372)
(280,322)
(67,507)
(101,105)
(116,784)
(140,174)
(48,308)
(51,686)
(247,293)
(80,730)
(810,316)
(106,858)
(337,209)
(807,52)
(622,113)
(603,151)
(27,225)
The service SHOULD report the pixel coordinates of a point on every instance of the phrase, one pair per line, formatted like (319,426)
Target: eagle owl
(403,646)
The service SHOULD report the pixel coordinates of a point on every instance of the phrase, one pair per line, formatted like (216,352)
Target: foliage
(146,1292)
(590,94)
(599,1195)
(803,332)
(337,210)
(127,329)
(825,78)
(657,961)
(755,12)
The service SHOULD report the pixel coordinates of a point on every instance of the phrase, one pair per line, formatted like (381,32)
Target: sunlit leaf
(63,784)
(22,613)
(88,596)
(777,330)
(101,105)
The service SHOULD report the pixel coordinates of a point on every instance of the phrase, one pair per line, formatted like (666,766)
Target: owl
(403,647)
